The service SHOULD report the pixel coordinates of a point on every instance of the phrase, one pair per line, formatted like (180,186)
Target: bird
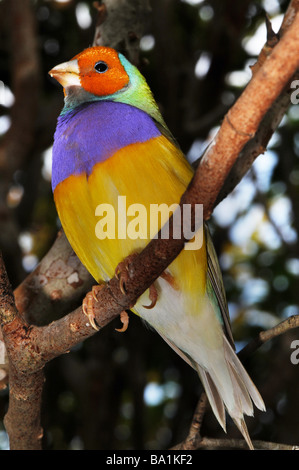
(113,148)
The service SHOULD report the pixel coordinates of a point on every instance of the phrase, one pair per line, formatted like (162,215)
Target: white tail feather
(235,362)
(214,398)
(231,388)
(240,423)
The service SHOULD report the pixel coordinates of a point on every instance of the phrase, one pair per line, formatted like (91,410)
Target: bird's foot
(87,304)
(122,272)
(124,318)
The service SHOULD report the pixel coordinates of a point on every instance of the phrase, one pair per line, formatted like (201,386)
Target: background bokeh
(130,391)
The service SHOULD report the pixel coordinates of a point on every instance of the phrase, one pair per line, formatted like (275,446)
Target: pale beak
(67,74)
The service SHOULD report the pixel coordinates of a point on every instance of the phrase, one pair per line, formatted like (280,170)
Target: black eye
(101,66)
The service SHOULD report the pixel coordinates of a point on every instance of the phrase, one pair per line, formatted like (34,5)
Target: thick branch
(242,121)
(22,420)
(56,285)
(257,145)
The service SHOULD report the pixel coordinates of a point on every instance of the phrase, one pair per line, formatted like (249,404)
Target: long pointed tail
(230,388)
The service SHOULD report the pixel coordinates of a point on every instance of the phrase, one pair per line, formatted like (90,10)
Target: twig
(213,444)
(193,440)
(264,336)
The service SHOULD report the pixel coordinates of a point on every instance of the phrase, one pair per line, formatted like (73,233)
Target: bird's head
(98,70)
(101,73)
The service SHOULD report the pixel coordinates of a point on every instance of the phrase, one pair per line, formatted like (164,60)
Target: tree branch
(257,145)
(217,444)
(55,286)
(8,309)
(22,420)
(264,336)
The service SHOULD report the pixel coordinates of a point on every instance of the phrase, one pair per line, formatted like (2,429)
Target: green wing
(215,279)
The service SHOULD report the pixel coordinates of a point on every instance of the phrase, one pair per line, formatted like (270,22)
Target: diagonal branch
(264,336)
(257,145)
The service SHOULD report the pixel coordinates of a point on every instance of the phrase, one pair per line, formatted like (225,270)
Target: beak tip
(67,74)
(52,72)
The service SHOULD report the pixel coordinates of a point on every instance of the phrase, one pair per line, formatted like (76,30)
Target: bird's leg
(124,318)
(87,304)
(122,274)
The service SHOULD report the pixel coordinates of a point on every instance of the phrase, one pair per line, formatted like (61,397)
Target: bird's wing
(215,278)
(214,272)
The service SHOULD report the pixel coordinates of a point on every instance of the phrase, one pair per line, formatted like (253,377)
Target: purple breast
(93,132)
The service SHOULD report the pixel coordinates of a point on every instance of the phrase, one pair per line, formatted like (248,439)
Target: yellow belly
(145,174)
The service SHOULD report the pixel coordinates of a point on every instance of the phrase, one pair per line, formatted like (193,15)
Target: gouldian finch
(111,147)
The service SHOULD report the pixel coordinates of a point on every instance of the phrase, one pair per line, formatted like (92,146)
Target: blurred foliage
(124,391)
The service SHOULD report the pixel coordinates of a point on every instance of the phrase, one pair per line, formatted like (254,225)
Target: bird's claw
(124,318)
(153,293)
(153,296)
(87,305)
(122,272)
